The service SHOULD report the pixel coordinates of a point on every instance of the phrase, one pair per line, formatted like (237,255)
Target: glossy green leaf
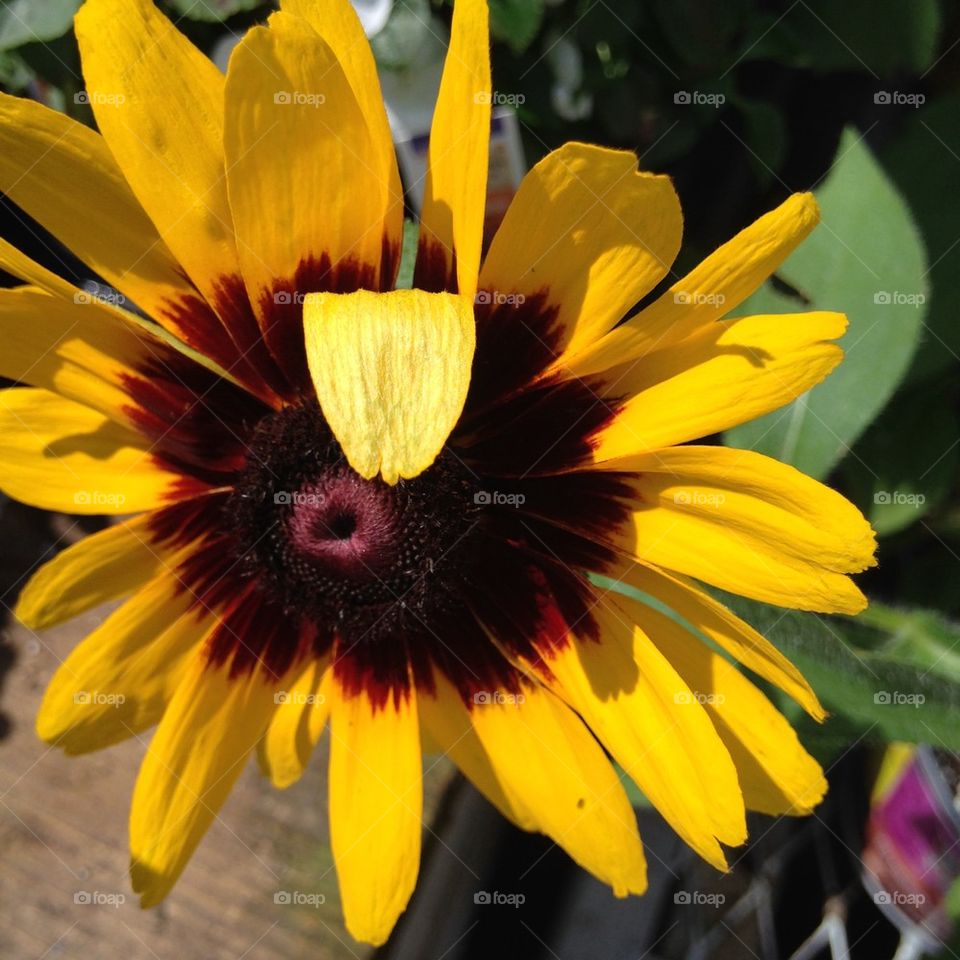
(865,259)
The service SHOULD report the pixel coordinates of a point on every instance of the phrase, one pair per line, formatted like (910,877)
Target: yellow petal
(101,567)
(117,682)
(376,804)
(446,722)
(589,231)
(59,455)
(159,105)
(551,768)
(209,729)
(750,525)
(64,176)
(78,350)
(17,263)
(337,22)
(718,285)
(776,774)
(724,628)
(297,145)
(455,193)
(732,372)
(391,372)
(295,727)
(631,697)
(107,314)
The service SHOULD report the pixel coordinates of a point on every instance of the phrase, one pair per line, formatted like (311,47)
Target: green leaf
(879,692)
(516,22)
(408,254)
(213,11)
(865,259)
(922,637)
(905,465)
(30,21)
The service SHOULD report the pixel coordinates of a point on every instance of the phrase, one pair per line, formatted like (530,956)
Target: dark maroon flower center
(326,543)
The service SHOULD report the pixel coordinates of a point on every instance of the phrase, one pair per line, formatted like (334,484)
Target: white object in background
(373,14)
(569,101)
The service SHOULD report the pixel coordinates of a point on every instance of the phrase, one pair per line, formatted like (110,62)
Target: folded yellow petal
(552,771)
(591,233)
(159,105)
(455,193)
(776,774)
(724,628)
(303,182)
(636,703)
(731,372)
(59,455)
(750,525)
(207,733)
(391,372)
(64,176)
(117,682)
(716,286)
(101,567)
(376,805)
(295,727)
(337,23)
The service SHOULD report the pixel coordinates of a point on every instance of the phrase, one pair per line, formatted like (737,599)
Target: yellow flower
(380,507)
